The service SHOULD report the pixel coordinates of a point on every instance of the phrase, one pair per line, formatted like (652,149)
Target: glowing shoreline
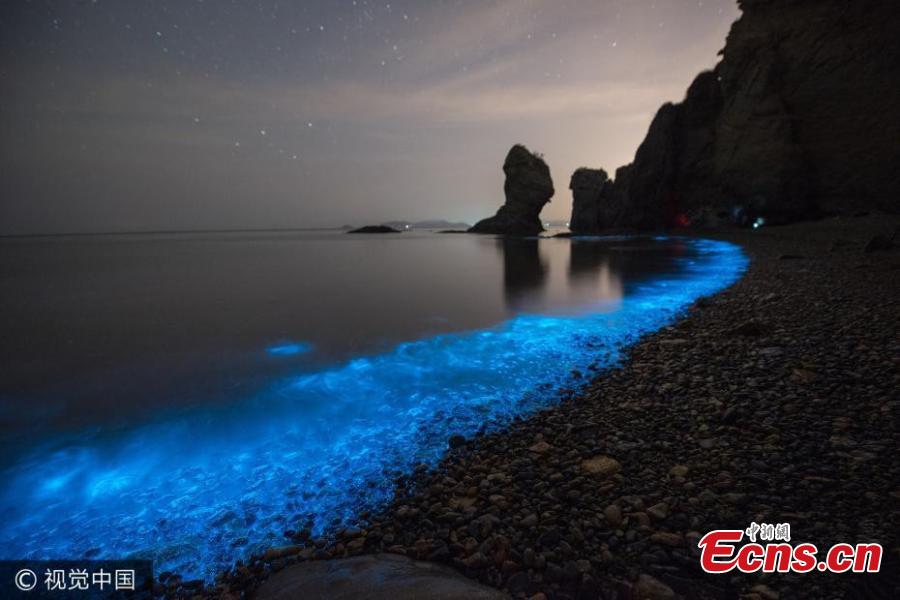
(199,492)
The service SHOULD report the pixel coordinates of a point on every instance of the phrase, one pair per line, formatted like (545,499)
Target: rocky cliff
(528,188)
(800,117)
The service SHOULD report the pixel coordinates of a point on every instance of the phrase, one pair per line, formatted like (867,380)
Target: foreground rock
(528,188)
(382,577)
(787,126)
(375,229)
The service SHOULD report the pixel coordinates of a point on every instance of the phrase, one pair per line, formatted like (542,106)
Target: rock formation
(587,187)
(800,117)
(375,229)
(528,188)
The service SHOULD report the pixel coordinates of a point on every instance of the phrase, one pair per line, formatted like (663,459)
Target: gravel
(774,401)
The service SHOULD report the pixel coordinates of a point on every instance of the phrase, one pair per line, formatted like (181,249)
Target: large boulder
(528,188)
(800,117)
(375,577)
(587,187)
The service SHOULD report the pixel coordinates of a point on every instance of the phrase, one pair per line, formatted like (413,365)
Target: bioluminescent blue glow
(289,348)
(196,492)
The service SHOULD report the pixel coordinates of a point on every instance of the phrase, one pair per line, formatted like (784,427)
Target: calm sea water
(188,397)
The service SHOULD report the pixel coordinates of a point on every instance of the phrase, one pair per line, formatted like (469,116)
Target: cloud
(468,98)
(456,101)
(499,61)
(421,135)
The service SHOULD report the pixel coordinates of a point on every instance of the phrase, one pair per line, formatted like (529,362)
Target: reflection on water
(524,270)
(112,329)
(586,257)
(322,439)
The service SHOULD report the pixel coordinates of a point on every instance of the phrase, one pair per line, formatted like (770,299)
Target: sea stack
(528,188)
(588,186)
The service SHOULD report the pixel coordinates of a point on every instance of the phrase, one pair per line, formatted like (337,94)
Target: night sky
(121,115)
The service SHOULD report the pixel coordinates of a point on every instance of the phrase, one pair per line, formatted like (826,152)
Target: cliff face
(801,116)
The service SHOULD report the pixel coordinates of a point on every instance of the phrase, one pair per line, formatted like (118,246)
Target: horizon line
(166,231)
(213,230)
